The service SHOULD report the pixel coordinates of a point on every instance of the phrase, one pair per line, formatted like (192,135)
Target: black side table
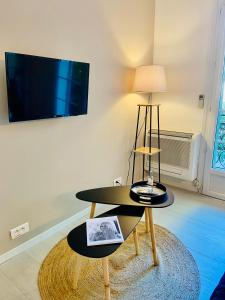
(121,196)
(128,216)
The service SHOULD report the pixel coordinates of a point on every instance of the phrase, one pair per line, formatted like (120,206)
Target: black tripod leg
(143,171)
(150,138)
(135,143)
(158,143)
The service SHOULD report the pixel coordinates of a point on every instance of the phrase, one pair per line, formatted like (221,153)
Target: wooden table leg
(135,234)
(152,233)
(77,270)
(146,220)
(92,213)
(105,264)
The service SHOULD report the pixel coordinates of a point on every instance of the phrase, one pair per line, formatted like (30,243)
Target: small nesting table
(129,213)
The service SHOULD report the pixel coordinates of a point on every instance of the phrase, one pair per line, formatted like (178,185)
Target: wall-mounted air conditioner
(179,155)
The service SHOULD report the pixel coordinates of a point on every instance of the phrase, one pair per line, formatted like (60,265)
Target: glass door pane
(218,160)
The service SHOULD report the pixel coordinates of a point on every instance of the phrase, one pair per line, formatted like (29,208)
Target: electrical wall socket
(117,181)
(19,230)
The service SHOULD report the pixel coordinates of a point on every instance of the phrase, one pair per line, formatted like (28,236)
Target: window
(218,161)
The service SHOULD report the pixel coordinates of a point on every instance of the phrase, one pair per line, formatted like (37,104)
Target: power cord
(197,184)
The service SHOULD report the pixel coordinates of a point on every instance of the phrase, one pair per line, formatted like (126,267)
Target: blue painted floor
(199,222)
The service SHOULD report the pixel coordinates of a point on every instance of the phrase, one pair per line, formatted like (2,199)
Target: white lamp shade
(150,79)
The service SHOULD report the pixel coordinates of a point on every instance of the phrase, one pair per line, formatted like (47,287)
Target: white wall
(43,163)
(182,42)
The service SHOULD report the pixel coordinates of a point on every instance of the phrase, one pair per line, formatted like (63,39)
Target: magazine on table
(102,231)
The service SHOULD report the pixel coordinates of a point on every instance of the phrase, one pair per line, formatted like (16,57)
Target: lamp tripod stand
(147,149)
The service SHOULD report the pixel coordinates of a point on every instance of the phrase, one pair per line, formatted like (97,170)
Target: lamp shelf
(145,150)
(148,105)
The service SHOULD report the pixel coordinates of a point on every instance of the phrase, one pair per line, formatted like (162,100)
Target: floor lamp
(148,79)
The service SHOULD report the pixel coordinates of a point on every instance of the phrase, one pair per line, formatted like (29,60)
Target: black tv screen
(40,87)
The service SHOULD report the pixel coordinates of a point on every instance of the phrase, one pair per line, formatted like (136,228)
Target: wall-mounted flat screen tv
(41,87)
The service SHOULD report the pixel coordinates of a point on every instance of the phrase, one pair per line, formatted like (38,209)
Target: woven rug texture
(131,277)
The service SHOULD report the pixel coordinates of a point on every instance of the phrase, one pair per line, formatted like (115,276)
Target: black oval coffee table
(129,214)
(121,196)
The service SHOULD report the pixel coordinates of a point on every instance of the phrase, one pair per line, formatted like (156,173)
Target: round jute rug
(131,277)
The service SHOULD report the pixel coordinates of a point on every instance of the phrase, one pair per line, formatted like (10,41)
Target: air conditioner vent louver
(178,154)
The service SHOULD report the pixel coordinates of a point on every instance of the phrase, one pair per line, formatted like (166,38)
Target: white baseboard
(176,182)
(44,235)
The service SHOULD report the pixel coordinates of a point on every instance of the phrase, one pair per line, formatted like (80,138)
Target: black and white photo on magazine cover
(103,231)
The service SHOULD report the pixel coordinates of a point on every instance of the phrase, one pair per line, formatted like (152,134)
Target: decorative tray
(144,193)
